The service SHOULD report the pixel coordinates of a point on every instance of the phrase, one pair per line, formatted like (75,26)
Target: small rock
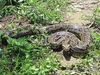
(79,6)
(94,2)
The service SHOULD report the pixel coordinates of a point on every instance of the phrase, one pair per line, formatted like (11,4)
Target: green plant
(94,18)
(2,3)
(96,41)
(96,14)
(38,11)
(24,58)
(90,64)
(21,57)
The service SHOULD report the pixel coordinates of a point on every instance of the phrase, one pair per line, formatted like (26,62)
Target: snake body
(75,39)
(71,37)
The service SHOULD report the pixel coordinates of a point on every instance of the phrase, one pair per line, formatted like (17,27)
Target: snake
(70,36)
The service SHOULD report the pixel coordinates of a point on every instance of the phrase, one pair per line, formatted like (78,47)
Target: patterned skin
(63,39)
(76,38)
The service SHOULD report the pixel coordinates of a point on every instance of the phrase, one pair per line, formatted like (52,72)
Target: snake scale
(71,37)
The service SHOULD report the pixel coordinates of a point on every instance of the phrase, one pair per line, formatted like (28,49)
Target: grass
(94,18)
(23,58)
(37,11)
(91,64)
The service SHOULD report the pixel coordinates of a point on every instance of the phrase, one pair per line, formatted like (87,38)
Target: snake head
(66,47)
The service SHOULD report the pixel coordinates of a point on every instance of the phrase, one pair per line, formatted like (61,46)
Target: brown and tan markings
(72,37)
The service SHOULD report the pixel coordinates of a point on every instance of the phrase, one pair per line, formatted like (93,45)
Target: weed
(95,18)
(91,64)
(2,3)
(24,58)
(38,11)
(21,57)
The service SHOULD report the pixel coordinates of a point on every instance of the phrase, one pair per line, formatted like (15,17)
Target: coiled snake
(71,37)
(75,39)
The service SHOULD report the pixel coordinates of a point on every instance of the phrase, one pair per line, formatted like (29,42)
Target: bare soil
(81,8)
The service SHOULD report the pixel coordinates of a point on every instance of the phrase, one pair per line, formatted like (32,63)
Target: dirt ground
(80,8)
